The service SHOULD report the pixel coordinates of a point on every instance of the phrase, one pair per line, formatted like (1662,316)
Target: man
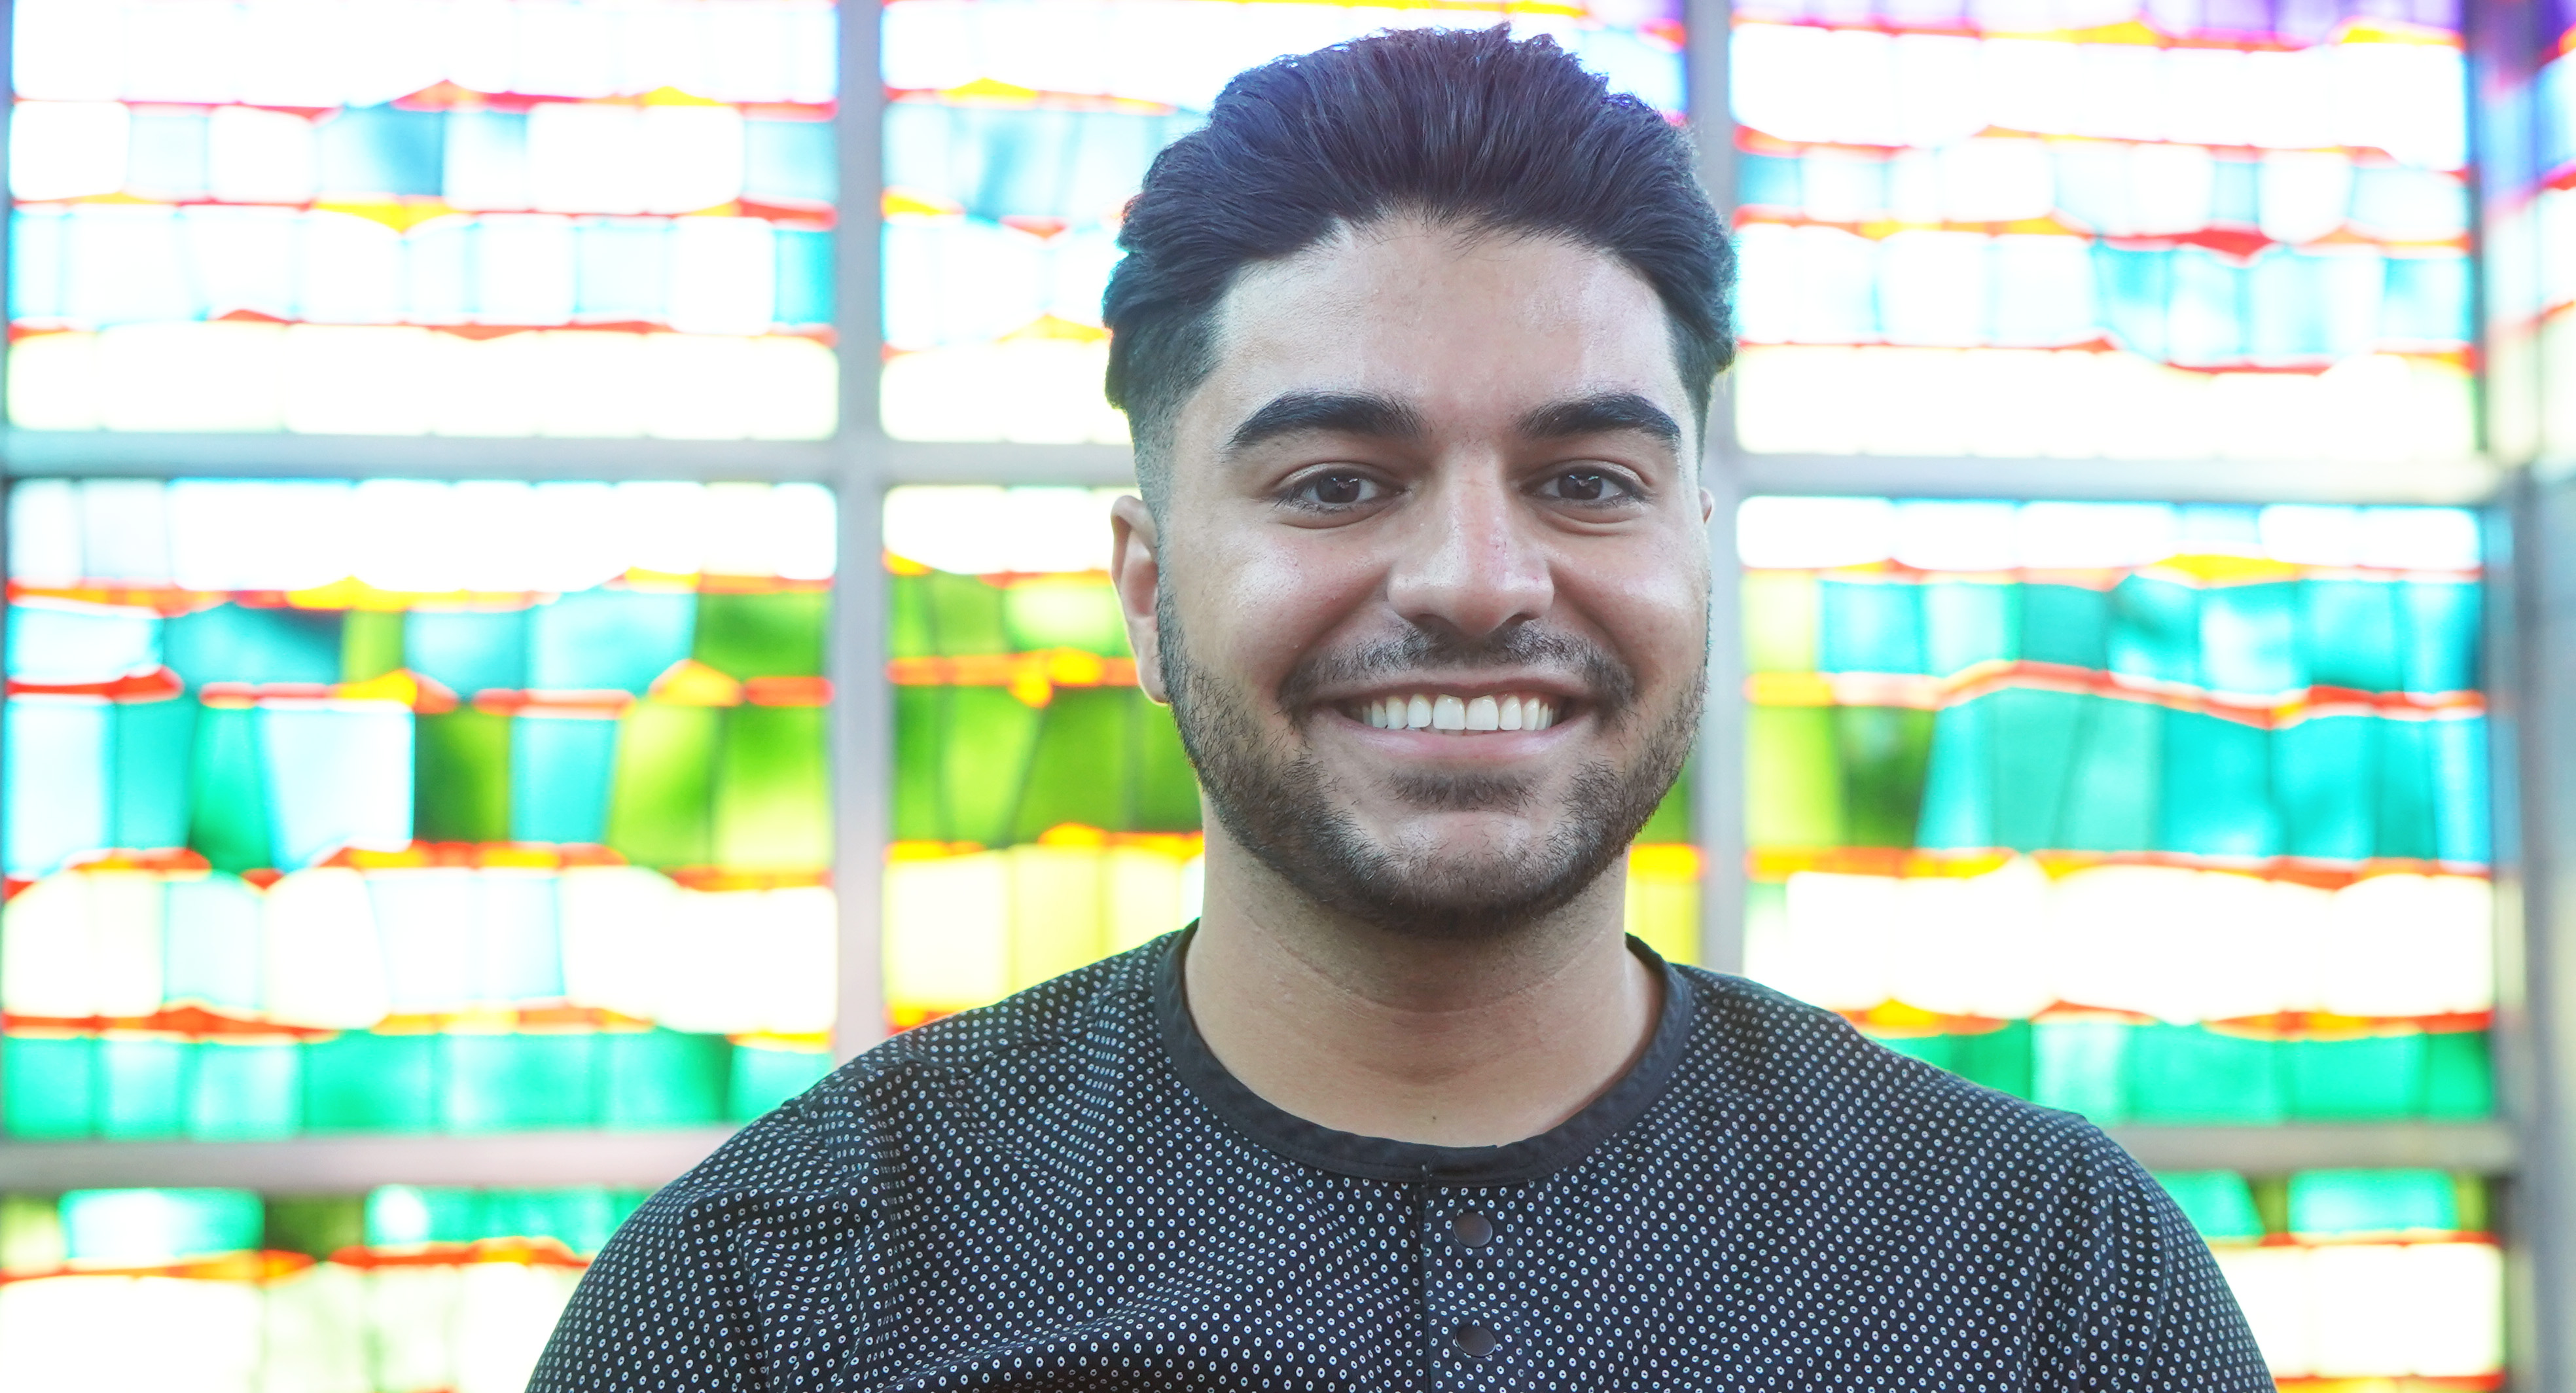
(1417,339)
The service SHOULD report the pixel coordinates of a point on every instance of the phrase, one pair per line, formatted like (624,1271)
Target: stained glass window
(2173,229)
(1045,814)
(2155,813)
(2358,1274)
(2531,218)
(1017,130)
(397,1290)
(507,218)
(408,806)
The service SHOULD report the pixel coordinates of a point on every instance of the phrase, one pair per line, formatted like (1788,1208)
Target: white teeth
(1376,714)
(1483,714)
(1538,715)
(1417,714)
(1459,714)
(1510,715)
(1448,713)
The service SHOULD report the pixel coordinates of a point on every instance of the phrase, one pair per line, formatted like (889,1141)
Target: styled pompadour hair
(1464,128)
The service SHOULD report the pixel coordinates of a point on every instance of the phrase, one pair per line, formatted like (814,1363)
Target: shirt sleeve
(2142,1305)
(750,1272)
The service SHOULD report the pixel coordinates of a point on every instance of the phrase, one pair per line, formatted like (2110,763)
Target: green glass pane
(493,1083)
(153,743)
(245,1091)
(2321,771)
(661,797)
(2348,629)
(2188,1074)
(371,644)
(763,1079)
(1083,769)
(2000,1058)
(315,1225)
(965,615)
(228,792)
(2377,1078)
(1065,612)
(1885,752)
(1969,622)
(1869,626)
(1671,821)
(2066,625)
(2330,1202)
(142,1088)
(48,1087)
(1167,788)
(461,776)
(909,629)
(662,1078)
(2115,787)
(972,745)
(779,634)
(2408,804)
(1793,781)
(2441,653)
(2471,1200)
(773,789)
(1939,1051)
(238,643)
(468,651)
(2459,1080)
(360,1081)
(1780,617)
(1766,910)
(2034,739)
(2217,798)
(2083,1067)
(2219,1203)
(2155,630)
(1958,808)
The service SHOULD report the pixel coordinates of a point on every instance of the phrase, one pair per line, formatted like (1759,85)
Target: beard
(1278,801)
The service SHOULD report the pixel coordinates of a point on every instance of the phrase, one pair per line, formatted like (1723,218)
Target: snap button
(1470,1229)
(1474,1341)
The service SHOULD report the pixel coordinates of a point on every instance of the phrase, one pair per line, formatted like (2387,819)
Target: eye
(1335,488)
(1588,486)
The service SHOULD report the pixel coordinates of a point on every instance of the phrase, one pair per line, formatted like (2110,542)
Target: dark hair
(1460,127)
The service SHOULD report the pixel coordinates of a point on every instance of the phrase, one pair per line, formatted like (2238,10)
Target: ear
(1136,573)
(1707,506)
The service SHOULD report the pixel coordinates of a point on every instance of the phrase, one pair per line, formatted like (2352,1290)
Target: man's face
(1430,593)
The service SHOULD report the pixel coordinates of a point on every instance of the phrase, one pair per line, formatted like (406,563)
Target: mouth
(1445,713)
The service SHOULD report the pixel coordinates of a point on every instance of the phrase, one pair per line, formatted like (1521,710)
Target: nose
(1472,560)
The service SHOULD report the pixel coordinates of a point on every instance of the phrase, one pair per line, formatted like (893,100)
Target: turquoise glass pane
(1959,784)
(2082,1066)
(2460,802)
(2218,1203)
(2188,1074)
(763,1078)
(2442,620)
(2321,777)
(47,644)
(153,1226)
(2249,639)
(2329,1203)
(228,803)
(2217,798)
(2066,625)
(663,1078)
(48,1087)
(2034,735)
(152,744)
(2349,631)
(211,944)
(513,1082)
(608,640)
(380,150)
(241,643)
(142,1087)
(1969,622)
(2407,799)
(245,1091)
(468,651)
(559,775)
(55,773)
(360,1081)
(336,776)
(2377,1078)
(1870,628)
(2155,630)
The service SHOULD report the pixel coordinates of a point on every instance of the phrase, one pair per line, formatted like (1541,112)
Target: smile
(1459,715)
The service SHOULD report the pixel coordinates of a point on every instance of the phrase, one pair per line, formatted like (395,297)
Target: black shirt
(1067,1191)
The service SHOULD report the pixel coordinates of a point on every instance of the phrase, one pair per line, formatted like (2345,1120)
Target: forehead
(1464,327)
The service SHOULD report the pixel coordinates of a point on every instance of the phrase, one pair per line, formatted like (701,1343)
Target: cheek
(1653,612)
(1255,605)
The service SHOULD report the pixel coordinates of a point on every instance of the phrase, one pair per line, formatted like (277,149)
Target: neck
(1451,1042)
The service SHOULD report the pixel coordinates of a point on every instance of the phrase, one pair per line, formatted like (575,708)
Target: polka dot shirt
(1067,1191)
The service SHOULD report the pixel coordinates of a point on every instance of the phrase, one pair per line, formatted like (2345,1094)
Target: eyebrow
(1345,413)
(1594,415)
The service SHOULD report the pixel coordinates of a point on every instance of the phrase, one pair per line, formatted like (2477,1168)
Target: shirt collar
(1377,1158)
